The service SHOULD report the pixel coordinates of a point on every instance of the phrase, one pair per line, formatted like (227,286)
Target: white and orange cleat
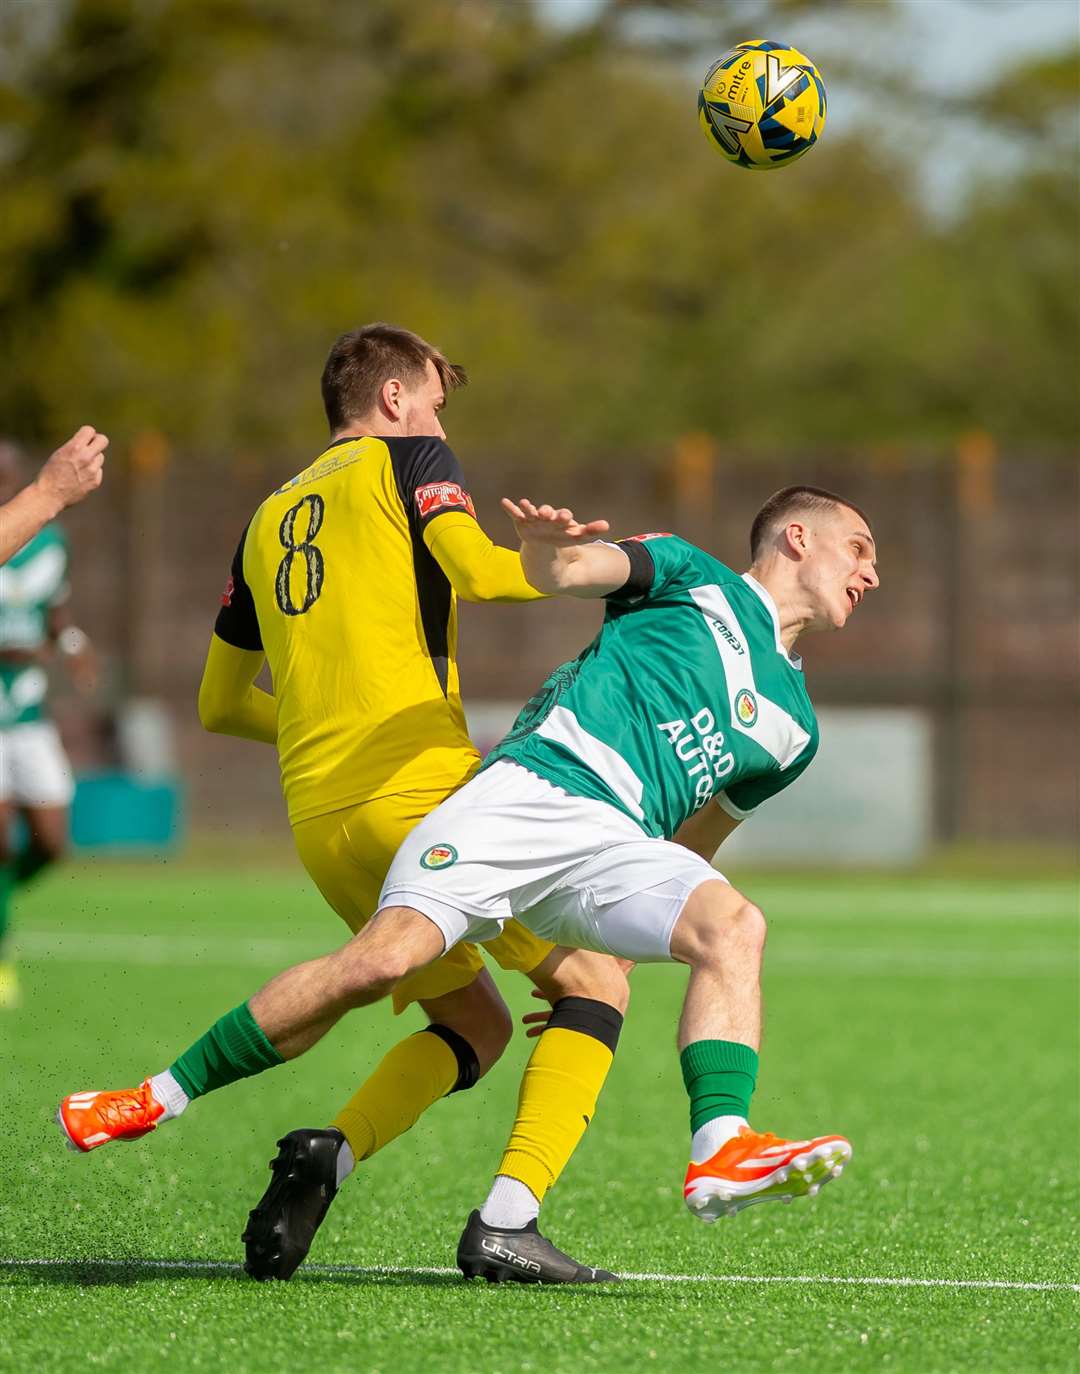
(94,1118)
(756,1166)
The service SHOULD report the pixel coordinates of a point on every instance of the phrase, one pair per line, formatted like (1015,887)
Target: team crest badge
(438,856)
(746,708)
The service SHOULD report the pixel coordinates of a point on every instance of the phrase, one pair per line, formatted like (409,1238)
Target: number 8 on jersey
(312,555)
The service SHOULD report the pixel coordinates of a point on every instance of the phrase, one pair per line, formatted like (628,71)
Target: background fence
(976,625)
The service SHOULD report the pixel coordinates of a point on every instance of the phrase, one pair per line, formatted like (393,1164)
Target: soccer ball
(762,104)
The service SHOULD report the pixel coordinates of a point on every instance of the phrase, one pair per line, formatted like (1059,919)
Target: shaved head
(788,503)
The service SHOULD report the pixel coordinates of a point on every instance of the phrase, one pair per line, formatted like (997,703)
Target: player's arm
(706,830)
(560,555)
(69,474)
(229,701)
(440,509)
(22,517)
(477,569)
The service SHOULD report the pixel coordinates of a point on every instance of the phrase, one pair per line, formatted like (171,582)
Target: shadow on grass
(91,1273)
(118,1273)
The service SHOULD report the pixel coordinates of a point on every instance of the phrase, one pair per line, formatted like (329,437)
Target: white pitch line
(867,1281)
(392,1270)
(173,951)
(78,947)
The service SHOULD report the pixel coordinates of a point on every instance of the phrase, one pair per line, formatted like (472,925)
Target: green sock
(234,1047)
(7,883)
(720,1077)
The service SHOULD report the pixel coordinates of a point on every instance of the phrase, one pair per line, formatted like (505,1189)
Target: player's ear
(795,538)
(391,397)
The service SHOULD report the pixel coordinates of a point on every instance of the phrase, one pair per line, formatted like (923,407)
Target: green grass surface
(934,1021)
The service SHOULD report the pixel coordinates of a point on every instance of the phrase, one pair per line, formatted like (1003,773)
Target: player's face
(839,569)
(420,405)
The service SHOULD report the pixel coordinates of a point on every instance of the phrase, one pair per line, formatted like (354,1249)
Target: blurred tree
(200,194)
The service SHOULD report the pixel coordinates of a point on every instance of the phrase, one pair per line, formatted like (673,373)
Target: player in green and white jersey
(687,711)
(593,823)
(35,778)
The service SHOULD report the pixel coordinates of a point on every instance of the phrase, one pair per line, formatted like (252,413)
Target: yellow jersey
(334,581)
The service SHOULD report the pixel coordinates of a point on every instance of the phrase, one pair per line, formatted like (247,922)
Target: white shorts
(34,770)
(575,871)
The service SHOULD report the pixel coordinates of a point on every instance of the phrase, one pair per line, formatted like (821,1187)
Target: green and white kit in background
(686,698)
(34,770)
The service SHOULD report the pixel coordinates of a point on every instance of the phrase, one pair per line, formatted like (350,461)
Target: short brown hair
(361,361)
(783,504)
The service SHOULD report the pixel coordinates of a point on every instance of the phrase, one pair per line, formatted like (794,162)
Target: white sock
(510,1205)
(346,1163)
(713,1136)
(169,1093)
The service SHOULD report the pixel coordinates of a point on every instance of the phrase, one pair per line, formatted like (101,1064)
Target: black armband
(642,570)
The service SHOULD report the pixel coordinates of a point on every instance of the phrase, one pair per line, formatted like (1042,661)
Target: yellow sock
(413,1075)
(557,1099)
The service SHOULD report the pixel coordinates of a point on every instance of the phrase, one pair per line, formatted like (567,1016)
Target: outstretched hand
(548,525)
(75,469)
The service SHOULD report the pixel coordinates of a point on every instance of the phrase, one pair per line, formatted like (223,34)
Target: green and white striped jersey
(32,582)
(686,695)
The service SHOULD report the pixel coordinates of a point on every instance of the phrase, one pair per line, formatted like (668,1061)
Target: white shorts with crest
(573,870)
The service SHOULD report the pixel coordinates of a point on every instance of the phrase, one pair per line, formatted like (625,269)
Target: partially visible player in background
(35,780)
(345,582)
(71,473)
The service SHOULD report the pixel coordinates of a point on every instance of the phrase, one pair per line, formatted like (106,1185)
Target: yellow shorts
(347,854)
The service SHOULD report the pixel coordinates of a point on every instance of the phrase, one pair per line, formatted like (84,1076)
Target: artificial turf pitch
(932,1021)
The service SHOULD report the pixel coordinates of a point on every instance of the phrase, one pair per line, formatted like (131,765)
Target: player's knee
(749,927)
(492,1036)
(478,1015)
(396,942)
(363,980)
(484,1022)
(367,986)
(583,973)
(605,983)
(716,924)
(475,1053)
(602,980)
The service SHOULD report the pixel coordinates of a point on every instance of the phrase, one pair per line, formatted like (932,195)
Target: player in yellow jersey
(345,581)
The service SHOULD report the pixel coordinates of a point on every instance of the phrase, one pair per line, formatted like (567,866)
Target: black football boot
(521,1255)
(281,1228)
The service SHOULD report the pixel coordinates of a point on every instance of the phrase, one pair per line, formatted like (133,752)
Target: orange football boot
(92,1119)
(756,1166)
